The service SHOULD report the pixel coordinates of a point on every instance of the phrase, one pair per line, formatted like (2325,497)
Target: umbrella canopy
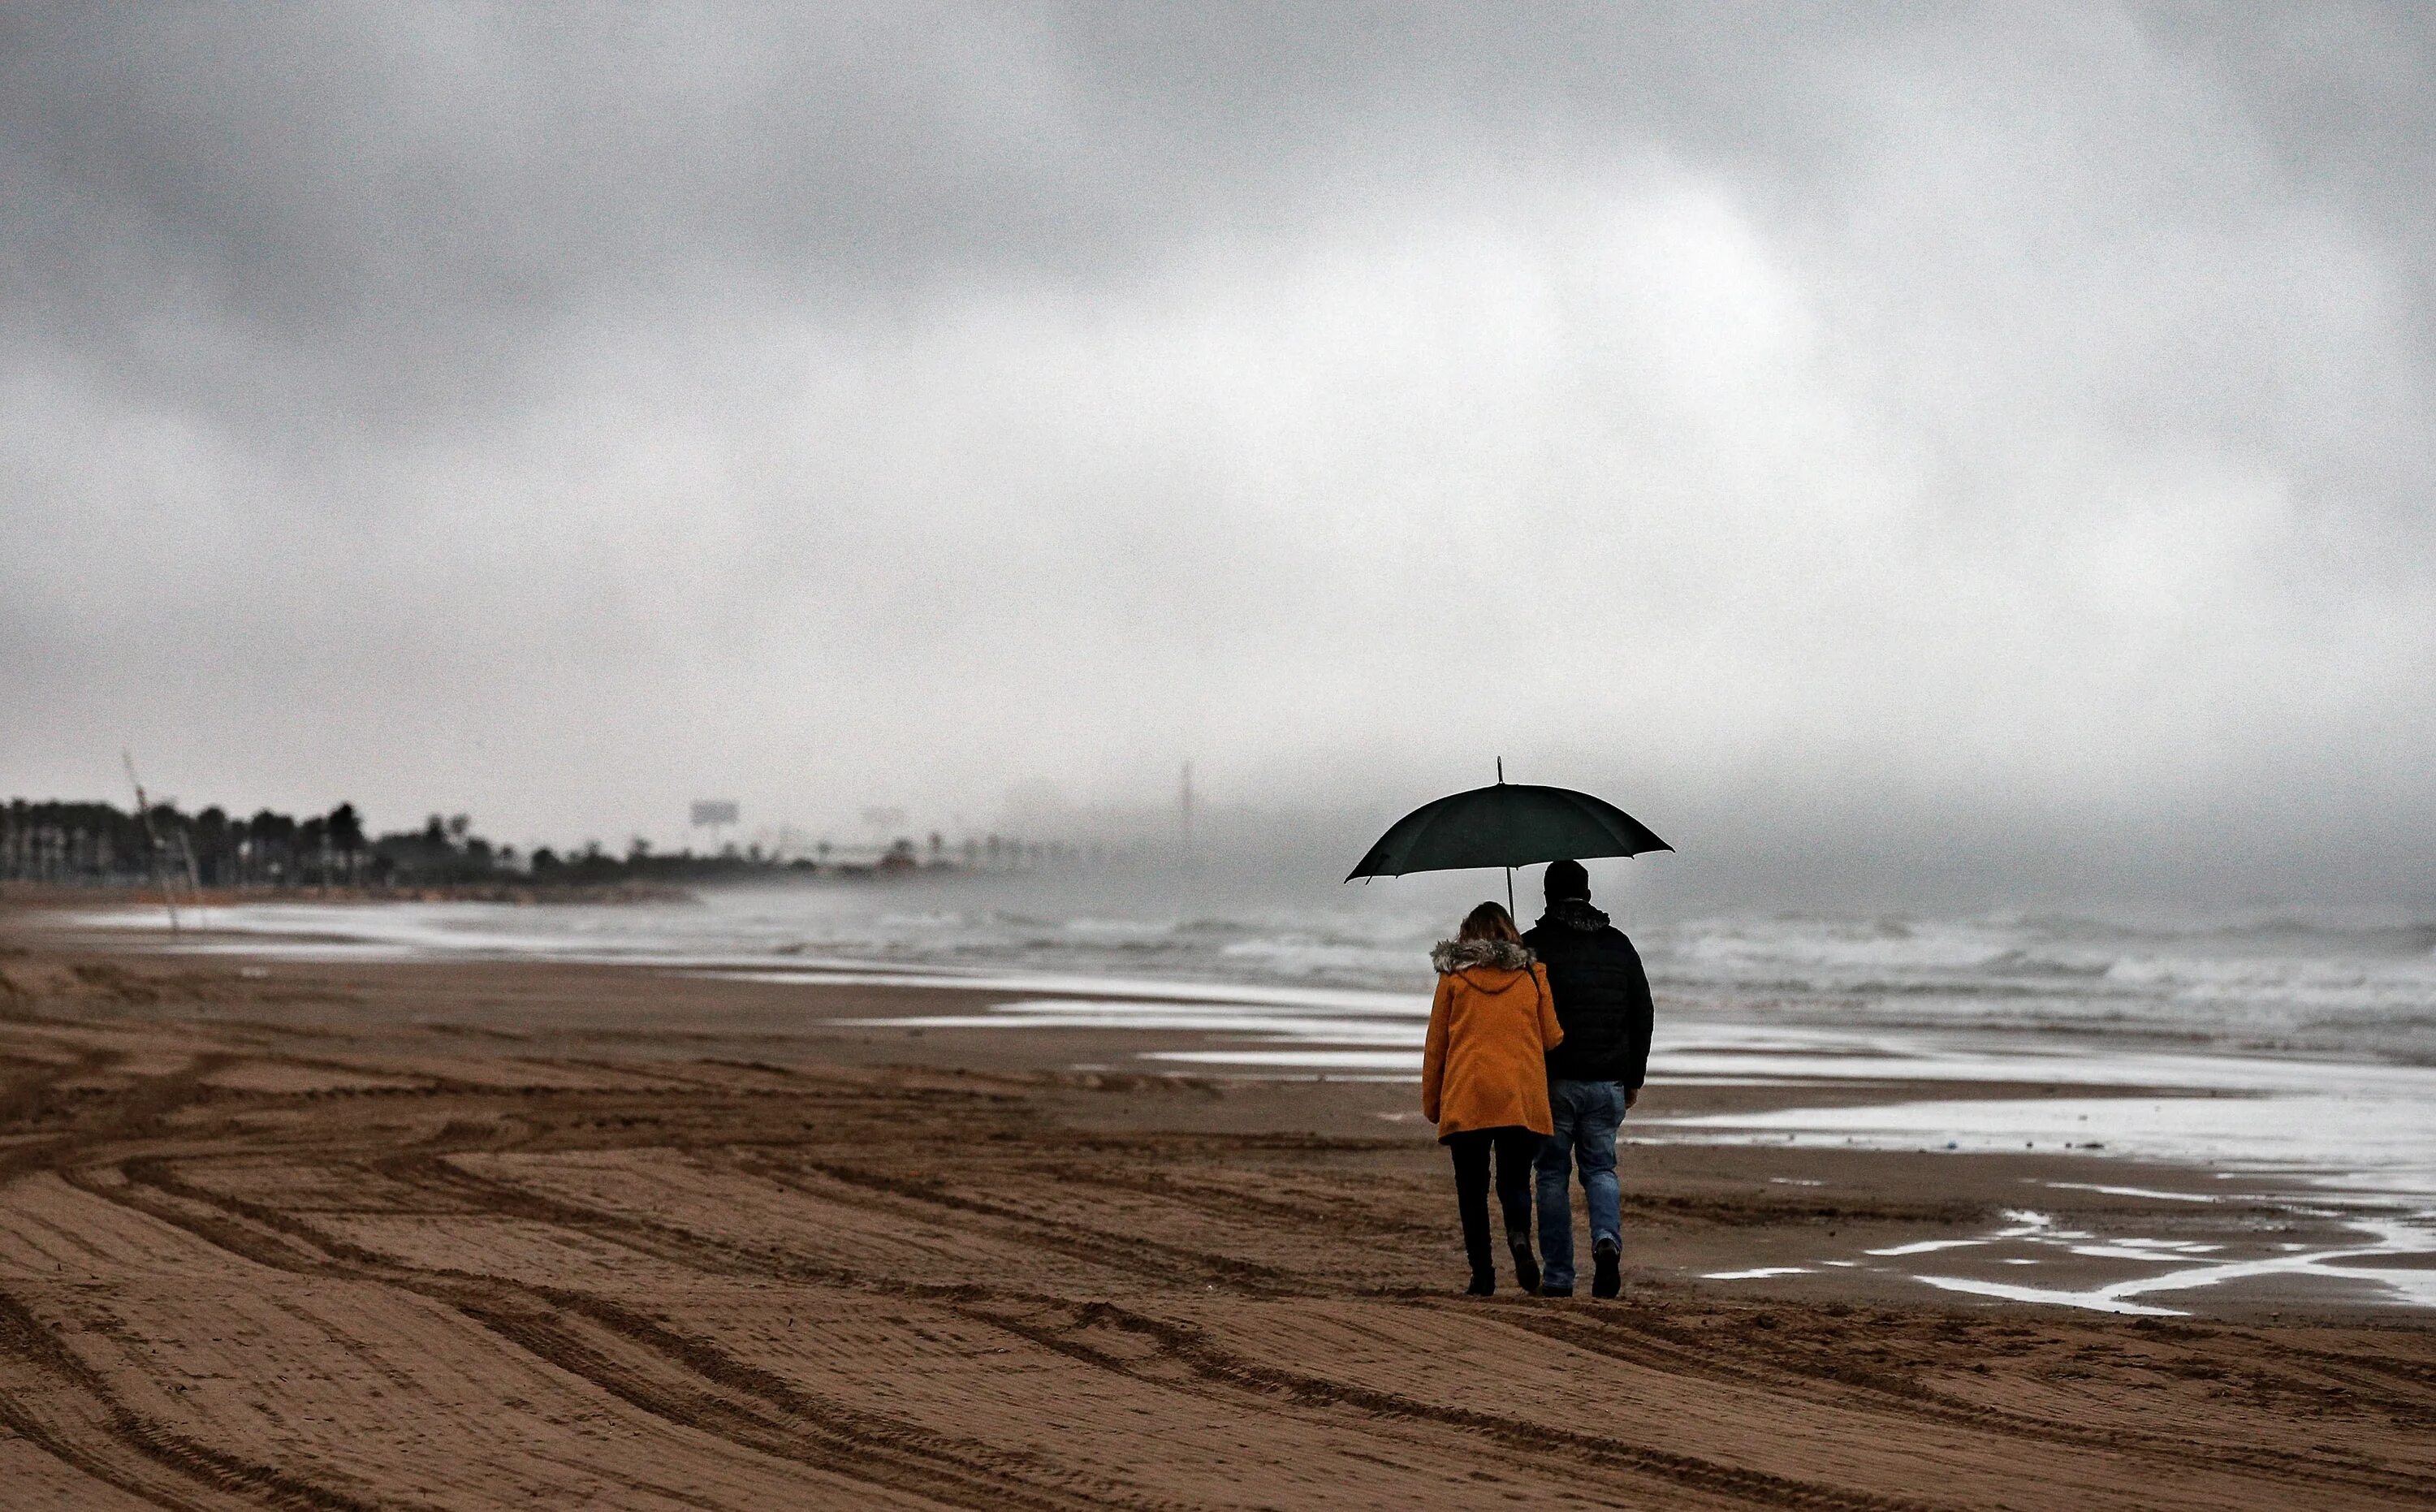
(1508,825)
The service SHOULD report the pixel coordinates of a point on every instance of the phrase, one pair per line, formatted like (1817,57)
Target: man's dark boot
(1526,1269)
(1608,1277)
(1484,1283)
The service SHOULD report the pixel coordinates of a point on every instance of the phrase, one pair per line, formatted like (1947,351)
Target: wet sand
(483,1234)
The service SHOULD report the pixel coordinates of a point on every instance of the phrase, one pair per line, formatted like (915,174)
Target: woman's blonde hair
(1489,921)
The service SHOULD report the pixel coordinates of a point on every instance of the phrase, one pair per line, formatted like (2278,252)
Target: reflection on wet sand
(2390,1256)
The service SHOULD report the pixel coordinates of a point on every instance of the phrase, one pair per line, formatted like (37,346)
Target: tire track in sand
(1635,1341)
(877,1191)
(1233,1376)
(112,1144)
(790,1422)
(28,1346)
(1214,1372)
(1222,1372)
(38,1359)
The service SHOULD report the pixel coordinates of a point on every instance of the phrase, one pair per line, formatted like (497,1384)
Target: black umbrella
(1510,825)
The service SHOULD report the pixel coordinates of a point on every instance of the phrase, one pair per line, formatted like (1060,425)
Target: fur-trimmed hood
(1450,956)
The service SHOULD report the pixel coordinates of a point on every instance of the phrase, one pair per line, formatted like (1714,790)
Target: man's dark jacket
(1602,995)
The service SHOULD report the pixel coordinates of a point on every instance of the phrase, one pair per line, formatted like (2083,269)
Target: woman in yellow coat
(1485,1081)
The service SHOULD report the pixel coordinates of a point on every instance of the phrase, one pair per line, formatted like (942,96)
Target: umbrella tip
(1501,771)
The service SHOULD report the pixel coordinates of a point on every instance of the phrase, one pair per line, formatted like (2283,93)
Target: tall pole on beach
(1184,805)
(152,842)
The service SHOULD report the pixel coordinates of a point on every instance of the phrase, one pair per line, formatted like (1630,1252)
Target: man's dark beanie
(1568,879)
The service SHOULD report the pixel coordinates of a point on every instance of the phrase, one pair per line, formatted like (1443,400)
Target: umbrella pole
(1510,871)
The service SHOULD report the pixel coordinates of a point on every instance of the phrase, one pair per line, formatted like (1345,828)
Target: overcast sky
(1842,436)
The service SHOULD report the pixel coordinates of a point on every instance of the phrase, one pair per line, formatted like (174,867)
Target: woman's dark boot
(1484,1283)
(1526,1268)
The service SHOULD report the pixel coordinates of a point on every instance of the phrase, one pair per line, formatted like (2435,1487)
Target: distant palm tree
(346,831)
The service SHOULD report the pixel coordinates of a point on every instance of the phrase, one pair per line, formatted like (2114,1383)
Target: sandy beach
(759,756)
(503,1234)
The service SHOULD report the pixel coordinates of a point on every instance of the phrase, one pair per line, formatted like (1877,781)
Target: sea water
(2350,988)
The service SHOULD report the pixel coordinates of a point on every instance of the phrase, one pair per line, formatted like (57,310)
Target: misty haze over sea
(1925,459)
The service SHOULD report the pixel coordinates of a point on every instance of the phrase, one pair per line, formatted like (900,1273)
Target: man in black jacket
(1602,1000)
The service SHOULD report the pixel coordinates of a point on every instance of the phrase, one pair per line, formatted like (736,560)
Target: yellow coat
(1484,1066)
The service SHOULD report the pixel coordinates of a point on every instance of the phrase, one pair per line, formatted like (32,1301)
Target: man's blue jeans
(1588,1115)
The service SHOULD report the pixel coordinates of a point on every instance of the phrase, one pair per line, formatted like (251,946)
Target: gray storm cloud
(1868,441)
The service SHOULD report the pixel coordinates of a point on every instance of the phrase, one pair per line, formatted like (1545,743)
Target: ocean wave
(2355,986)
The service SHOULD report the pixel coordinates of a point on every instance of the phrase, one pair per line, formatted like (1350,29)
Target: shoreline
(2194,1244)
(737,1232)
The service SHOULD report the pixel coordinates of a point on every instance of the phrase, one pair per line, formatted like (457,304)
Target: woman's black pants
(1516,1148)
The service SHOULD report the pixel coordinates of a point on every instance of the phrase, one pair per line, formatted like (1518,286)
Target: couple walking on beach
(1538,1044)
